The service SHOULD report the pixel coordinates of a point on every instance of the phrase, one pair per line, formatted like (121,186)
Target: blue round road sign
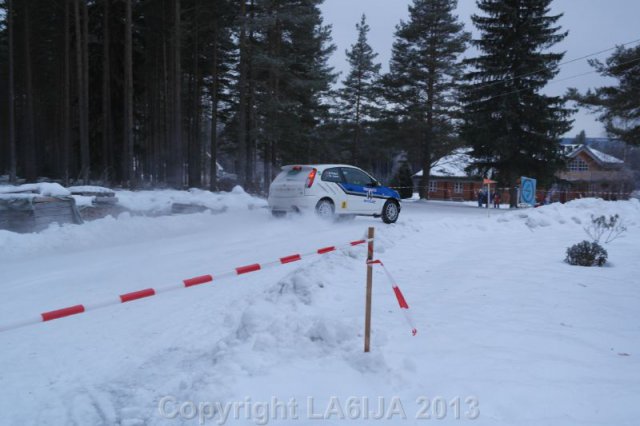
(528,193)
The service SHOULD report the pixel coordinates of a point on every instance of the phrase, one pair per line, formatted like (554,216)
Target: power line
(557,81)
(493,83)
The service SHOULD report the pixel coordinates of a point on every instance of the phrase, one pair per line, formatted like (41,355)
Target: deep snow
(500,317)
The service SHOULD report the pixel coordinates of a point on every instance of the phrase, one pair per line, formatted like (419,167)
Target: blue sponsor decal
(370,194)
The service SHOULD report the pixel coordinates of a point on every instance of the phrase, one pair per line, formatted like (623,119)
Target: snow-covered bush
(586,254)
(592,253)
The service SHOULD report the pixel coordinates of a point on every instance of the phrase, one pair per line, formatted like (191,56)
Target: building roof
(452,165)
(599,156)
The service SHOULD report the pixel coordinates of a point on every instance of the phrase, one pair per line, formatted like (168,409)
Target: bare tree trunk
(107,123)
(195,169)
(177,172)
(66,113)
(274,141)
(158,138)
(82,100)
(251,118)
(12,114)
(241,156)
(166,145)
(356,137)
(213,177)
(85,148)
(128,100)
(273,84)
(427,141)
(30,149)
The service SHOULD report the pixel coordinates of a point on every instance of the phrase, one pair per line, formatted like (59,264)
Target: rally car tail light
(311,177)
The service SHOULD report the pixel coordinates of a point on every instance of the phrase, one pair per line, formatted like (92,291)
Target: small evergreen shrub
(403,181)
(586,254)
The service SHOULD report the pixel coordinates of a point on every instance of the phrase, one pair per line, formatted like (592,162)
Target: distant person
(496,200)
(480,197)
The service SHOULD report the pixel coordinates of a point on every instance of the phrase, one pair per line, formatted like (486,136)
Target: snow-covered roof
(605,158)
(452,165)
(599,156)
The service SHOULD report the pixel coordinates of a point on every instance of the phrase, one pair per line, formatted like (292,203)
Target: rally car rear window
(332,175)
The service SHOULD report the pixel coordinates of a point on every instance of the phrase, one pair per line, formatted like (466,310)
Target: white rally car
(332,190)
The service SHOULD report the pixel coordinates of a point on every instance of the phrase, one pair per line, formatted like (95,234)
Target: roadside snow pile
(126,227)
(576,212)
(45,189)
(160,201)
(90,189)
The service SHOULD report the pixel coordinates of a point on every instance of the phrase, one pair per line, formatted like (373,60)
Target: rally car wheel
(390,211)
(325,208)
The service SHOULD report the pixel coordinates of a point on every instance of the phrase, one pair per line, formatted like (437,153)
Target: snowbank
(90,189)
(576,212)
(44,188)
(160,201)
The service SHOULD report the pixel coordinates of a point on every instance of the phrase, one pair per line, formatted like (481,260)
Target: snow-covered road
(502,322)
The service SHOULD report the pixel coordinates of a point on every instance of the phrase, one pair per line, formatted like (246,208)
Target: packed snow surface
(508,333)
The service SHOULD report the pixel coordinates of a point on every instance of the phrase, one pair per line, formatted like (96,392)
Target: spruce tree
(421,84)
(618,106)
(359,94)
(511,126)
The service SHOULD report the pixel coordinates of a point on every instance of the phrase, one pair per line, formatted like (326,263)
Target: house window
(457,187)
(578,165)
(433,186)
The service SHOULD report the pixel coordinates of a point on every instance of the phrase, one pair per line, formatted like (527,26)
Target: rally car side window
(356,177)
(332,175)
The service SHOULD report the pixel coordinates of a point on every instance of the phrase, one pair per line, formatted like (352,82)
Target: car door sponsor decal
(369,196)
(370,193)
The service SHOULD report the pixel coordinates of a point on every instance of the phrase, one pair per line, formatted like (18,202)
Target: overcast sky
(593,25)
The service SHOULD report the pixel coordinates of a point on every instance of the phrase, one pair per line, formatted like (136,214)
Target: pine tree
(421,84)
(511,126)
(619,106)
(359,94)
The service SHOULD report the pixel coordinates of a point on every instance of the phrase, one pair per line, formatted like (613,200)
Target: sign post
(367,313)
(488,182)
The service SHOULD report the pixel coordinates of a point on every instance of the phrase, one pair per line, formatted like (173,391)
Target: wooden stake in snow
(367,315)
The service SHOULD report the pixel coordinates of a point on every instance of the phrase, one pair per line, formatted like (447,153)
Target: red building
(589,173)
(449,179)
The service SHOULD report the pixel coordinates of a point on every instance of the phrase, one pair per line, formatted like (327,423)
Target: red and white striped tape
(404,307)
(190,282)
